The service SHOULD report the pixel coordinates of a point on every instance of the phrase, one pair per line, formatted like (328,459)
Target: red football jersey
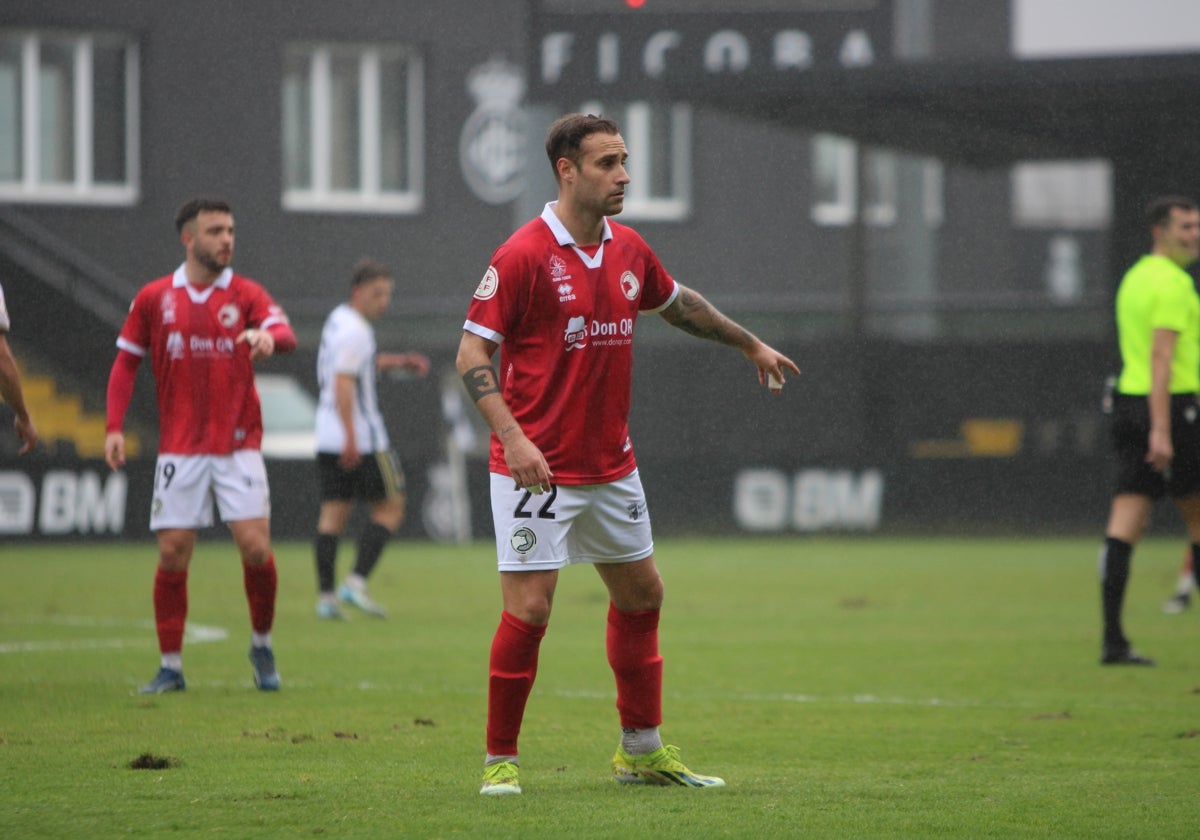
(564,321)
(207,403)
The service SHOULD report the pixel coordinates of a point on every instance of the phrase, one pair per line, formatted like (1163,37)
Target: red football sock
(633,654)
(261,583)
(170,609)
(512,669)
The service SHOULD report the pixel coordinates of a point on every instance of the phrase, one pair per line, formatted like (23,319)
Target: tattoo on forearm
(700,318)
(480,382)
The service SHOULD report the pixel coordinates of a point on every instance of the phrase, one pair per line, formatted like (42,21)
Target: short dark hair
(1158,211)
(194,207)
(366,270)
(567,133)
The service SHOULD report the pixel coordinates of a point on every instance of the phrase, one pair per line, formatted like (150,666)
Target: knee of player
(653,596)
(531,610)
(256,553)
(174,552)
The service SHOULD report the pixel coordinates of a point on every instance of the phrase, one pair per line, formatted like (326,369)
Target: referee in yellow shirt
(1156,415)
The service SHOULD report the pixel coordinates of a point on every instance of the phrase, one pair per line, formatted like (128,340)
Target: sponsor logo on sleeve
(488,285)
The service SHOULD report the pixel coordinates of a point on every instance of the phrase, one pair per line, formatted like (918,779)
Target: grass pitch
(842,687)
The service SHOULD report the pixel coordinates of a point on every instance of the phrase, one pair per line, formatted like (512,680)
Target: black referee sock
(1195,575)
(1114,577)
(325,547)
(370,546)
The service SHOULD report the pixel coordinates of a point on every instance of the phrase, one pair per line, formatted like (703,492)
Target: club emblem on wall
(491,148)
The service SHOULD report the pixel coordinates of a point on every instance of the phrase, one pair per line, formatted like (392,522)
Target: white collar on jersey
(179,281)
(564,237)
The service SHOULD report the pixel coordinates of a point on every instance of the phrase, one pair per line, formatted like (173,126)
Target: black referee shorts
(378,476)
(1131,433)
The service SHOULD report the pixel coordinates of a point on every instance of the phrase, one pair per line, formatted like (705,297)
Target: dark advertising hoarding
(877,439)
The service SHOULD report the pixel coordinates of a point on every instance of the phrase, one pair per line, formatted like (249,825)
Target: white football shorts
(572,523)
(185,487)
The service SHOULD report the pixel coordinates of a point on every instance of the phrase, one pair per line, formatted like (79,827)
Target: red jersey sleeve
(264,313)
(120,389)
(135,333)
(658,287)
(502,296)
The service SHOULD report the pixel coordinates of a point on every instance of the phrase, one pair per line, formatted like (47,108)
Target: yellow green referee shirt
(1157,294)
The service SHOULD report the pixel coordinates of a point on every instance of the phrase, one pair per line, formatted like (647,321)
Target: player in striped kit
(355,459)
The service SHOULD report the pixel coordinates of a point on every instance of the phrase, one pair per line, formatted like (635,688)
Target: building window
(1072,195)
(68,118)
(879,188)
(837,171)
(659,140)
(353,129)
(835,180)
(933,191)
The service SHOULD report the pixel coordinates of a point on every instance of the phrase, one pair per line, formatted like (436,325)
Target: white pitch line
(784,697)
(195,634)
(77,644)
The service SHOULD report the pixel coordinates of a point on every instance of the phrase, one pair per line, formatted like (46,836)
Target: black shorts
(1131,433)
(378,476)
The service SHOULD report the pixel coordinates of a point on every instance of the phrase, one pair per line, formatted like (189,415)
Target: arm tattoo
(480,382)
(697,316)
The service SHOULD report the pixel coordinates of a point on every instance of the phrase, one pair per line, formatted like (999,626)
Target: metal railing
(57,262)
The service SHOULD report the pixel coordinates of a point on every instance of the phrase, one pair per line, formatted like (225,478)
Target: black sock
(1114,576)
(325,546)
(370,546)
(1195,576)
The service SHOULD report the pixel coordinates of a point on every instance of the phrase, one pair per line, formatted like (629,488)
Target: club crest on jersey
(488,285)
(167,305)
(576,333)
(558,266)
(228,316)
(630,285)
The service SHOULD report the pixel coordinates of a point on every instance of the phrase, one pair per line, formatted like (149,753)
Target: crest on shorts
(523,541)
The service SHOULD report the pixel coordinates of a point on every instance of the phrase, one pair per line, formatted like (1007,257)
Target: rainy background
(926,203)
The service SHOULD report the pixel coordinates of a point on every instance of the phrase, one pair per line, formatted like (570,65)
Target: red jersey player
(203,327)
(560,301)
